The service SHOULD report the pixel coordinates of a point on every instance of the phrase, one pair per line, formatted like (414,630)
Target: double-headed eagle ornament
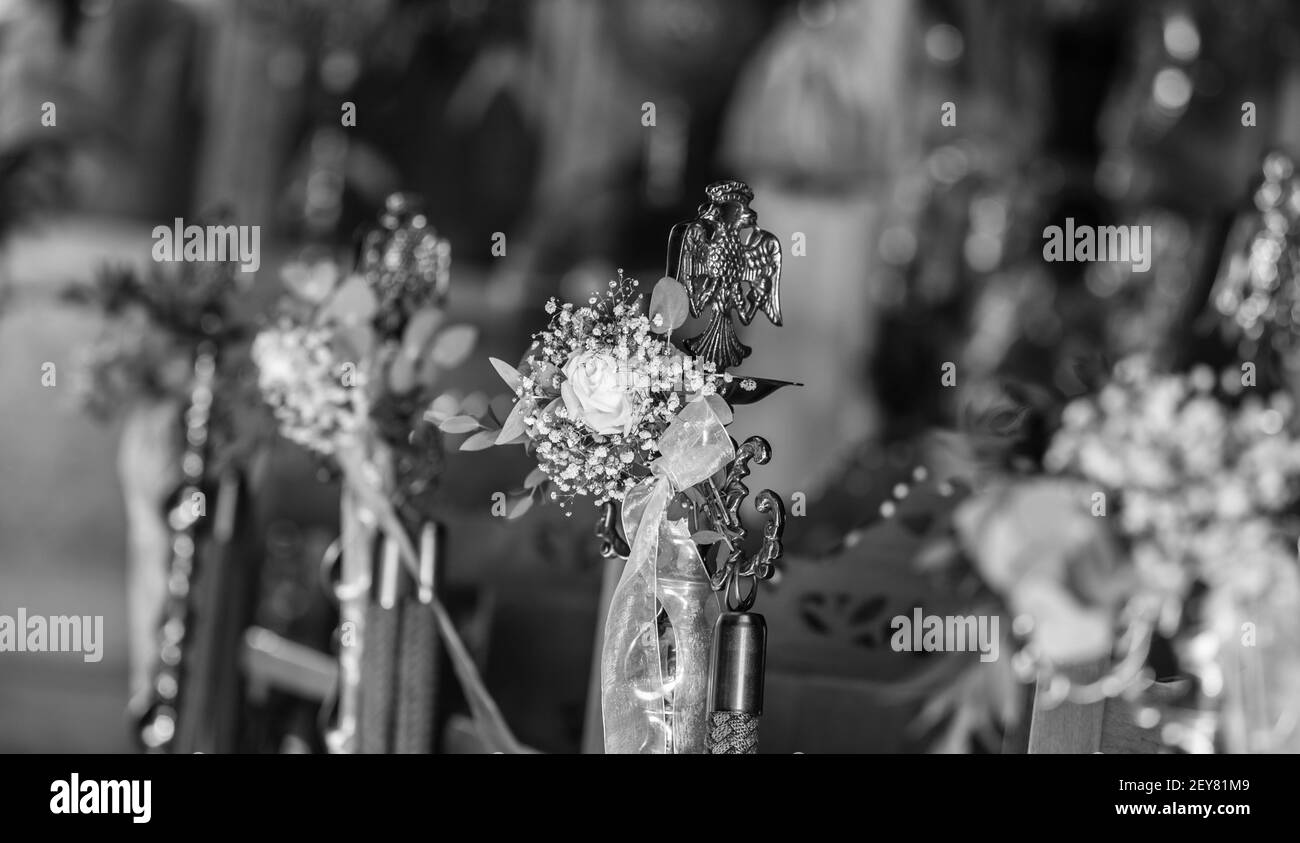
(726,262)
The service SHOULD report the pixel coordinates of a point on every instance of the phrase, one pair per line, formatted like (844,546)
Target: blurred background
(574,134)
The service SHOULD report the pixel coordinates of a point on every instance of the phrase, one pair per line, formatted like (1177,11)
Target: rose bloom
(594,393)
(1038,544)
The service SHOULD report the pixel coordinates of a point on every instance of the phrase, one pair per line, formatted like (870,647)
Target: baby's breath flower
(1196,481)
(650,371)
(299,376)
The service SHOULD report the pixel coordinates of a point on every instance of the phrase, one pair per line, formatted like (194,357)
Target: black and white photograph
(894,379)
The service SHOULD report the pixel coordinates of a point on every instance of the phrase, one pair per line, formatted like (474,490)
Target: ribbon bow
(633,686)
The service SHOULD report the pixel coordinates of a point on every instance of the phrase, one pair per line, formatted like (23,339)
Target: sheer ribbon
(644,711)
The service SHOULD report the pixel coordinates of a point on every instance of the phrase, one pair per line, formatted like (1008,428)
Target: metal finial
(726,262)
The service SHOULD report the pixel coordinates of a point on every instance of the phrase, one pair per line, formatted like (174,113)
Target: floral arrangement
(352,360)
(614,412)
(349,367)
(154,324)
(301,376)
(595,393)
(152,320)
(327,372)
(1160,536)
(1196,481)
(171,360)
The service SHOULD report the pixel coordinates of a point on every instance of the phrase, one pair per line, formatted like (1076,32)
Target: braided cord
(416,680)
(733,733)
(378,666)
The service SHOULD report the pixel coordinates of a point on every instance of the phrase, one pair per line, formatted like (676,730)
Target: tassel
(736,683)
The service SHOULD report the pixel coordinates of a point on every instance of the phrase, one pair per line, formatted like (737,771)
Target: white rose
(276,370)
(1039,546)
(593,392)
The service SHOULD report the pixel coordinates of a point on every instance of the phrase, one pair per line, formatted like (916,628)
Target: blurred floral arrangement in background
(1257,294)
(352,360)
(1196,481)
(348,369)
(154,324)
(1164,522)
(171,362)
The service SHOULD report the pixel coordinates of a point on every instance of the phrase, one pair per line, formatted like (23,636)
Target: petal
(1066,631)
(571,402)
(604,422)
(605,402)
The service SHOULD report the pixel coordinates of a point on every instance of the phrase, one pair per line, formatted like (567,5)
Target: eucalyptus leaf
(442,408)
(508,373)
(401,375)
(480,441)
(514,425)
(310,282)
(453,344)
(668,306)
(420,331)
(519,506)
(352,304)
(460,424)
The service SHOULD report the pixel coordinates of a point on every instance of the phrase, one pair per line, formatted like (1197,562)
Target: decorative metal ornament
(1257,292)
(727,263)
(739,659)
(731,267)
(724,512)
(158,725)
(405,262)
(611,543)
